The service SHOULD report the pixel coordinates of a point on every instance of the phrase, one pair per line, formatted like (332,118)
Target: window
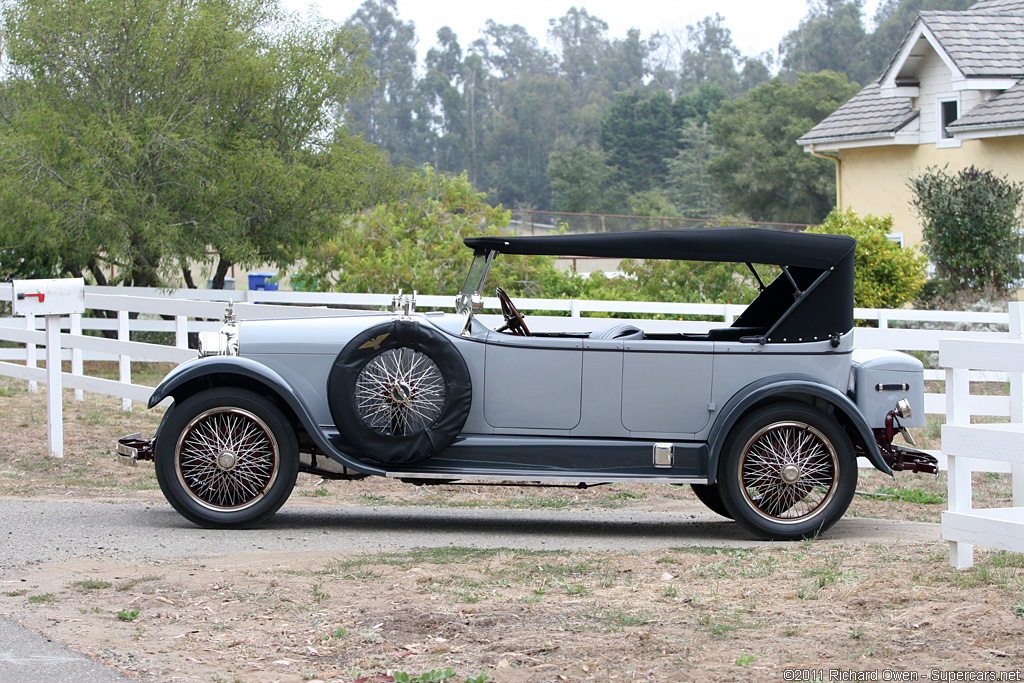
(949,111)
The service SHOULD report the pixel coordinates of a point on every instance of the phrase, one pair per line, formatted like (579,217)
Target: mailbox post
(51,299)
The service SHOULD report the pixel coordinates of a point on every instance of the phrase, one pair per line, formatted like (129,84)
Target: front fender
(795,387)
(195,375)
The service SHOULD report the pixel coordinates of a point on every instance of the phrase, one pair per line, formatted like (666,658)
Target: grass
(42,598)
(915,495)
(127,614)
(132,583)
(616,620)
(92,584)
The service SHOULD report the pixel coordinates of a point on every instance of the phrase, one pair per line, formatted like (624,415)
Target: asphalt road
(33,532)
(43,531)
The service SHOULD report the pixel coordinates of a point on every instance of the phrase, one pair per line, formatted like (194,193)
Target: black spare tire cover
(399,392)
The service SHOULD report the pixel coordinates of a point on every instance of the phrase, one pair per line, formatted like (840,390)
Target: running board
(536,478)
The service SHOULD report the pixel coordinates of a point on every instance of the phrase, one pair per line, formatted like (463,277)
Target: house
(953,95)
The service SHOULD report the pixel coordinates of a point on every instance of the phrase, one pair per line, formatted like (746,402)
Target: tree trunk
(223,266)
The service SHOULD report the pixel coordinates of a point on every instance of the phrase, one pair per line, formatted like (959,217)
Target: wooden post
(54,390)
(124,362)
(1017,401)
(958,469)
(76,353)
(30,353)
(181,331)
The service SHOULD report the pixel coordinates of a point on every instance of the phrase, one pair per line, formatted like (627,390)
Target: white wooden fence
(964,443)
(184,311)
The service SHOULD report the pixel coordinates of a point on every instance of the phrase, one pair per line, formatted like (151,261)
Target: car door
(666,385)
(532,383)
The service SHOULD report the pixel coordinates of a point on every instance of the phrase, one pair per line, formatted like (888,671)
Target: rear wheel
(788,471)
(226,458)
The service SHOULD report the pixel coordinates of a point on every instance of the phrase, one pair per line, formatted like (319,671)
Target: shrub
(970,225)
(887,276)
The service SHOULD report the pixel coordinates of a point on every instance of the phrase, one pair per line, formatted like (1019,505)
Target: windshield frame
(470,297)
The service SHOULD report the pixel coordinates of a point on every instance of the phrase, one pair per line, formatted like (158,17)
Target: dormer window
(947,111)
(950,112)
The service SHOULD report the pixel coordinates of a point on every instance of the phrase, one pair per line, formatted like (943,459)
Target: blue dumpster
(263,281)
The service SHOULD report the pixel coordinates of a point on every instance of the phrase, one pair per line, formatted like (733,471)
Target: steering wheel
(513,318)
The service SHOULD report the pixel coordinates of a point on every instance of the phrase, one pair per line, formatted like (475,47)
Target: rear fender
(793,388)
(192,377)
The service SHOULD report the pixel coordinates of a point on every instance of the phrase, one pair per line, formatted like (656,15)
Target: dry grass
(695,614)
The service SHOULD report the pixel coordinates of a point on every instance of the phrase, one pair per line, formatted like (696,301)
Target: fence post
(1017,401)
(181,331)
(124,362)
(574,308)
(958,469)
(729,315)
(30,353)
(54,390)
(76,353)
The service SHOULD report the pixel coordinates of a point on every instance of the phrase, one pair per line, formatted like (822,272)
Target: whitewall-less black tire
(226,458)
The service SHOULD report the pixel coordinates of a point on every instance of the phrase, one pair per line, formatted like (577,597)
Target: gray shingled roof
(1007,6)
(1005,110)
(981,45)
(866,115)
(986,41)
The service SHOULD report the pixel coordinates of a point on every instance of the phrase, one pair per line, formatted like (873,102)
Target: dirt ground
(814,610)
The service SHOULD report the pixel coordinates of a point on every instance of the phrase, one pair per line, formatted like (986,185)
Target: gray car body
(570,407)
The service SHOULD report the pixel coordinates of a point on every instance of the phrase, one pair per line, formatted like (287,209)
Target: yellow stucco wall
(874,179)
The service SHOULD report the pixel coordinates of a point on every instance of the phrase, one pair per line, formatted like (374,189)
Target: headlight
(903,409)
(223,342)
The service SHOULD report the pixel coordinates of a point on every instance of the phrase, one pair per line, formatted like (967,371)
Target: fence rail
(182,312)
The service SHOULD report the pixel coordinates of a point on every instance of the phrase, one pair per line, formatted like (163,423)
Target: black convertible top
(732,245)
(811,300)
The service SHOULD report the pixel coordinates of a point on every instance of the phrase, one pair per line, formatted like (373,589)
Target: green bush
(970,225)
(887,276)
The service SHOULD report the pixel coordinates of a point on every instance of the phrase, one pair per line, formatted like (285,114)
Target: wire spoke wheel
(788,471)
(227,459)
(400,392)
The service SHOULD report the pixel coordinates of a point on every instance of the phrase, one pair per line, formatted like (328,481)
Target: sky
(757,25)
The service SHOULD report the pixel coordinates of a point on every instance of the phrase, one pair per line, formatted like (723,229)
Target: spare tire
(399,392)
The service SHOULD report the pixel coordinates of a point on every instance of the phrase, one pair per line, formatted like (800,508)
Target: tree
(971,222)
(142,140)
(639,136)
(385,115)
(415,243)
(830,38)
(689,183)
(583,48)
(440,106)
(888,276)
(761,172)
(710,55)
(580,178)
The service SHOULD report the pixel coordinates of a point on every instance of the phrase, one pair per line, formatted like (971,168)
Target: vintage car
(764,419)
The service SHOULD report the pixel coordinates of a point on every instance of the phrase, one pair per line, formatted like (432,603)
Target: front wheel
(226,458)
(788,471)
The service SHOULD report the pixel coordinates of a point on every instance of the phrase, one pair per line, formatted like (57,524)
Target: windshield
(474,282)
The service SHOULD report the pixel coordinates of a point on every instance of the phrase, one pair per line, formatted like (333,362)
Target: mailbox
(49,297)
